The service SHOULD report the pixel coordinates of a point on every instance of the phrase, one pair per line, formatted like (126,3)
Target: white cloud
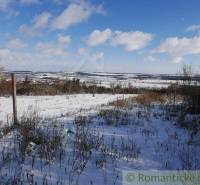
(177,48)
(134,40)
(75,13)
(131,40)
(99,37)
(27,2)
(4,53)
(16,60)
(27,30)
(82,51)
(10,58)
(64,40)
(39,23)
(41,20)
(193,28)
(50,49)
(177,59)
(86,55)
(4,4)
(150,59)
(6,7)
(57,48)
(98,56)
(15,44)
(45,56)
(88,60)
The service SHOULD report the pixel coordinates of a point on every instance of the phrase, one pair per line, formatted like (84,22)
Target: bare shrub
(86,138)
(189,157)
(48,140)
(122,149)
(85,141)
(148,98)
(124,103)
(114,117)
(130,150)
(5,87)
(190,90)
(5,130)
(120,103)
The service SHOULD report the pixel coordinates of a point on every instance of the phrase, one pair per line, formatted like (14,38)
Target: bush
(31,130)
(5,87)
(148,98)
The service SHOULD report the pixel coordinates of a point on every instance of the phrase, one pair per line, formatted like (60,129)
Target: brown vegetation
(148,98)
(5,87)
(120,102)
(61,87)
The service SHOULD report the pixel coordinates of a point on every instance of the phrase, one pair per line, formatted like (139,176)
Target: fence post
(14,98)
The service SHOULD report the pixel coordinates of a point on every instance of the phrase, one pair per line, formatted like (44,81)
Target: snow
(149,81)
(161,143)
(54,106)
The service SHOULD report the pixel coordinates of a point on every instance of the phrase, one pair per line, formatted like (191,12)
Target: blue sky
(149,36)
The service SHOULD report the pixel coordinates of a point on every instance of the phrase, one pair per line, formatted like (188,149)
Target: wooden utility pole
(14,98)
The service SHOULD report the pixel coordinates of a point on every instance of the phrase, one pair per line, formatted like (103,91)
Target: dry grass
(121,103)
(144,99)
(148,98)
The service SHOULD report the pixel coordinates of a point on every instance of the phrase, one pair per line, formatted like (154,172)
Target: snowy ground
(148,81)
(55,106)
(130,138)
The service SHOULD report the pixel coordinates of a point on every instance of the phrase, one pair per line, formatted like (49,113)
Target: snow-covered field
(55,106)
(149,81)
(100,145)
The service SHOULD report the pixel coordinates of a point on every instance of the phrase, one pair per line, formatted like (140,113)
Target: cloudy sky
(150,36)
